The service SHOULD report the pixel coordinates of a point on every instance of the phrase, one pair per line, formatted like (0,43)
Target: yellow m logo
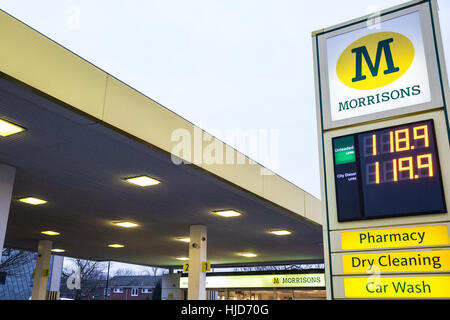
(375,60)
(276,281)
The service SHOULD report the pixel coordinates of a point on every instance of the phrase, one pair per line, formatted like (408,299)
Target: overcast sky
(223,65)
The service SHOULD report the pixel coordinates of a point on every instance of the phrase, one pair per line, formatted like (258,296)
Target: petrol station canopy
(86,132)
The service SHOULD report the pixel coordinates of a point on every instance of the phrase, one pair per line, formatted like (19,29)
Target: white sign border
(437,95)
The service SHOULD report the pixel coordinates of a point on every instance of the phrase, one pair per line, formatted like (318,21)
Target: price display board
(388,172)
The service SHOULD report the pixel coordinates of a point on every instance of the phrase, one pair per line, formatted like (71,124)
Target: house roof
(134,281)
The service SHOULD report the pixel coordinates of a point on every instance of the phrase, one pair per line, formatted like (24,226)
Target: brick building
(132,287)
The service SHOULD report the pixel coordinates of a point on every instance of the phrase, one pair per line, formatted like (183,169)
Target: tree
(14,261)
(124,272)
(136,270)
(92,278)
(151,271)
(262,268)
(286,267)
(157,291)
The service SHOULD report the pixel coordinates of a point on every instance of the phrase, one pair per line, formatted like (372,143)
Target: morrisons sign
(375,72)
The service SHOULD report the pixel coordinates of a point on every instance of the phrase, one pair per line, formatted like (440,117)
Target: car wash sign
(384,66)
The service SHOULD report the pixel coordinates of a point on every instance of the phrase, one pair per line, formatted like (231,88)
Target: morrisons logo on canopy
(297,280)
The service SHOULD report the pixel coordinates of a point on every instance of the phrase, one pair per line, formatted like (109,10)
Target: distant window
(118,290)
(134,292)
(146,290)
(107,291)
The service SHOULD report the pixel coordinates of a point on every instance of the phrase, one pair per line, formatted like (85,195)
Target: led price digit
(404,167)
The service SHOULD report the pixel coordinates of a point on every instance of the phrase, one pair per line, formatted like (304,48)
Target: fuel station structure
(88,170)
(91,168)
(382,99)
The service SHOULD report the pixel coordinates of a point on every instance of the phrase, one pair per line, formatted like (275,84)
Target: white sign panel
(372,71)
(378,71)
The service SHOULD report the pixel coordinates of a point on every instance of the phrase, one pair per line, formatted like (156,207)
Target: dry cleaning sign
(377,68)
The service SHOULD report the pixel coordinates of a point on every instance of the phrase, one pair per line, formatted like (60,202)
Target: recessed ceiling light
(184,239)
(33,201)
(50,233)
(58,250)
(7,128)
(116,245)
(143,181)
(227,213)
(248,254)
(126,224)
(280,232)
(182,258)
